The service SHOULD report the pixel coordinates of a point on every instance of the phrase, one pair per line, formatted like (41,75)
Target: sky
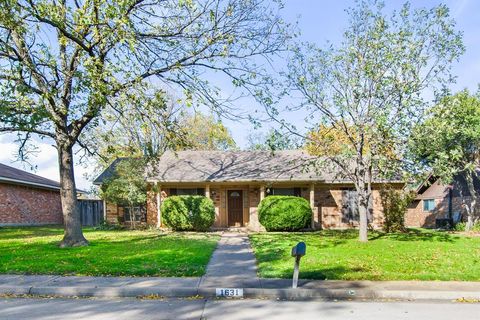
(319,21)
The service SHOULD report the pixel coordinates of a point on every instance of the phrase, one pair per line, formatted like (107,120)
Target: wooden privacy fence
(91,212)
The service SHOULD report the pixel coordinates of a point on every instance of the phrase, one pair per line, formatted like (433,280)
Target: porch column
(262,192)
(312,204)
(207,191)
(104,210)
(159,204)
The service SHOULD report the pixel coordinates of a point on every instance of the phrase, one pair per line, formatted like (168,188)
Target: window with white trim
(428,205)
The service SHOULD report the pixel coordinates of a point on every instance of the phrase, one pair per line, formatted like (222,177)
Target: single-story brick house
(28,199)
(237,181)
(437,202)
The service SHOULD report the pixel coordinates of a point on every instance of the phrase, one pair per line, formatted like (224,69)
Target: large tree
(448,143)
(361,97)
(65,61)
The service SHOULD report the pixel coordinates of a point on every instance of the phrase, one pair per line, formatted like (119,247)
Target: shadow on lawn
(331,273)
(11,233)
(415,235)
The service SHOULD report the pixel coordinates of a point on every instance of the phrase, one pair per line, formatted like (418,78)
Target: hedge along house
(237,181)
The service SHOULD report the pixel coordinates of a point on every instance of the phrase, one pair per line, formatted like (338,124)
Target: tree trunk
(363,194)
(132,217)
(471,206)
(363,214)
(73,235)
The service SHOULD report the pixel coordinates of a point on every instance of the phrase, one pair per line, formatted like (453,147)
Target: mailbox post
(298,251)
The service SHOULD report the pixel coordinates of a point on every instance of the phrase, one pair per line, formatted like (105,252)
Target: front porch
(235,204)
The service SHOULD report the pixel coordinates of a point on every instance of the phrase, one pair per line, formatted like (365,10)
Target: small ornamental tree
(284,213)
(395,204)
(184,213)
(127,186)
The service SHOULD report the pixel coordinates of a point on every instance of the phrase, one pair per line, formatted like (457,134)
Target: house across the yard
(28,199)
(237,181)
(438,203)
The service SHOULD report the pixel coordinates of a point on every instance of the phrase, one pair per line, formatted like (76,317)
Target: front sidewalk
(266,288)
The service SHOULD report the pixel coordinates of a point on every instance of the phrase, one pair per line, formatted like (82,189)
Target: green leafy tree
(368,90)
(273,140)
(147,134)
(65,62)
(448,143)
(127,186)
(204,132)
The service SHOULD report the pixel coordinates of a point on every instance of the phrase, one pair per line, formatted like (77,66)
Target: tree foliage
(273,140)
(65,62)
(448,143)
(204,132)
(148,133)
(127,186)
(361,97)
(395,204)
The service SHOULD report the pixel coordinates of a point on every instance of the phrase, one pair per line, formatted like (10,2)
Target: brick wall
(328,209)
(417,217)
(27,205)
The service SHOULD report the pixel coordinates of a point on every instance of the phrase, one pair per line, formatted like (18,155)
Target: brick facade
(24,205)
(328,209)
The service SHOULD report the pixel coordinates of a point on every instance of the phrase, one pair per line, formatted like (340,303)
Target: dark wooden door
(235,208)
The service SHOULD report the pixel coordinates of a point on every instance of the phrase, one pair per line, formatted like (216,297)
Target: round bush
(183,213)
(284,213)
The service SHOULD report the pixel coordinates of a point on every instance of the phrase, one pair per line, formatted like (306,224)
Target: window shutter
(297,192)
(173,191)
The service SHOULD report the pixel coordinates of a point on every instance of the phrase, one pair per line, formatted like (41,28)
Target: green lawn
(34,250)
(417,255)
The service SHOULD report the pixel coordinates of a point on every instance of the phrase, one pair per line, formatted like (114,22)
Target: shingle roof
(234,166)
(237,166)
(12,175)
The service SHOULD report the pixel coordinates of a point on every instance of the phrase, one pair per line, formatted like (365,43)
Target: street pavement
(129,308)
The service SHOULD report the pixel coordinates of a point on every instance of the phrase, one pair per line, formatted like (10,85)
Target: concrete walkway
(233,264)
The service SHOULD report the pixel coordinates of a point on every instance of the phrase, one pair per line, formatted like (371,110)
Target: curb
(285,293)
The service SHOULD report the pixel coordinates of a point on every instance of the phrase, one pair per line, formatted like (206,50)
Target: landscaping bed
(337,255)
(34,250)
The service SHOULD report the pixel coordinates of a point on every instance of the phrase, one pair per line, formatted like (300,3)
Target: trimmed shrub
(284,213)
(182,213)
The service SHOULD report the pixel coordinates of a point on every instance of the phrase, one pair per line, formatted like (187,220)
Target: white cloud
(44,161)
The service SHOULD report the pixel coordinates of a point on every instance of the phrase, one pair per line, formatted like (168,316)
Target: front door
(235,208)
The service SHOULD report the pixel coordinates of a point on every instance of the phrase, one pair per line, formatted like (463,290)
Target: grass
(34,250)
(416,255)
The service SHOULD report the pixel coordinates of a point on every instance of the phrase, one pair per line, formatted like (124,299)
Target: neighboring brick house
(237,181)
(28,199)
(437,203)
